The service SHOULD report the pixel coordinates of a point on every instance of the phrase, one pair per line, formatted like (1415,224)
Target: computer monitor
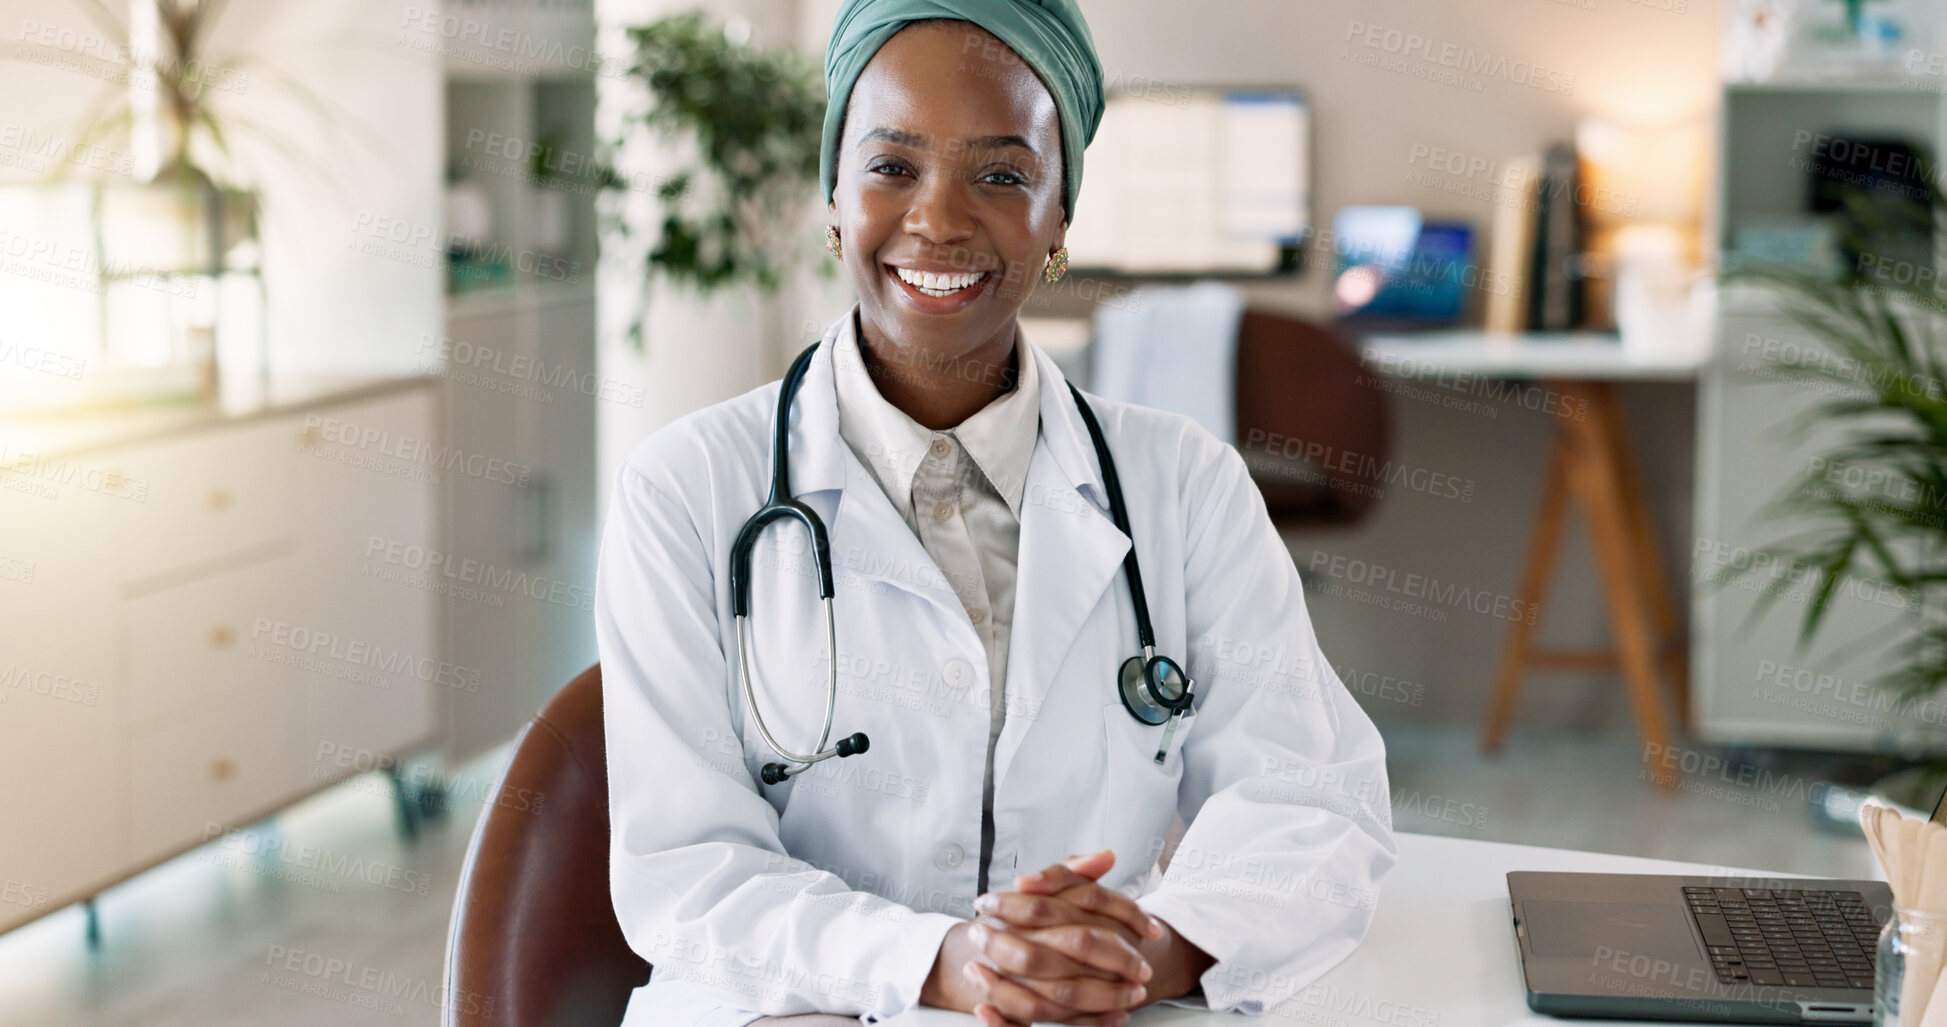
(1203,180)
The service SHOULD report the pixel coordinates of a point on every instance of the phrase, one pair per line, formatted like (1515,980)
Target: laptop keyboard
(1808,939)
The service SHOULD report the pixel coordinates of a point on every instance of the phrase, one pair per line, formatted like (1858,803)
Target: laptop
(1709,949)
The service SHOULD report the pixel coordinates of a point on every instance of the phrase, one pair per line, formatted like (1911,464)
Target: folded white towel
(1174,348)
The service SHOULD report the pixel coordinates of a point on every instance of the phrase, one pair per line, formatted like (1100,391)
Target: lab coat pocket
(1128,735)
(1140,793)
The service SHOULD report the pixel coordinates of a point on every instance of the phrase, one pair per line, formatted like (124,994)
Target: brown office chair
(1312,425)
(534,940)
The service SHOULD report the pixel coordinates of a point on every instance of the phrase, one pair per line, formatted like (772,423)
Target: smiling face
(949,163)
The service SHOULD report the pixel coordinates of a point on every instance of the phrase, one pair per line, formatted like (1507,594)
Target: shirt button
(940,448)
(949,856)
(957,670)
(977,615)
(942,511)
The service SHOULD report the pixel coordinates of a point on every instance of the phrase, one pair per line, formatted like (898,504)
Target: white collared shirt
(960,491)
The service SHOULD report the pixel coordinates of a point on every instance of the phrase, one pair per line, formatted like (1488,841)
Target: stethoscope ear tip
(774,773)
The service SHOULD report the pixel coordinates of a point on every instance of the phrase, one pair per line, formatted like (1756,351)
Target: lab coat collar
(821,460)
(1070,549)
(999,438)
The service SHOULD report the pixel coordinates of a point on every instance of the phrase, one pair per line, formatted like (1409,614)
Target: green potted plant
(1873,506)
(729,217)
(188,203)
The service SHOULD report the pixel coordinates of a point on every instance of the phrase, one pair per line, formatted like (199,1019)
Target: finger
(1015,1001)
(1016,953)
(1112,904)
(1013,909)
(992,1017)
(1099,947)
(1110,908)
(1073,870)
(1085,994)
(1091,864)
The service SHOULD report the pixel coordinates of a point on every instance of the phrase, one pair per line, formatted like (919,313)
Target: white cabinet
(372,667)
(192,645)
(520,387)
(205,495)
(193,628)
(224,762)
(64,807)
(1755,684)
(518,369)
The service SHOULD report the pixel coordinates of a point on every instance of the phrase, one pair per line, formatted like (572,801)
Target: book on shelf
(1510,242)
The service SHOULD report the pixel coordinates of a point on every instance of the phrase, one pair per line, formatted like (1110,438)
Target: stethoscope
(1153,688)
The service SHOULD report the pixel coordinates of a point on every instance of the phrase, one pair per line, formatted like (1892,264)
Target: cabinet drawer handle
(222,768)
(219,499)
(221,636)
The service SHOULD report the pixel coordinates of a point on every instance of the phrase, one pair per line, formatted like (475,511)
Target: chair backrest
(533,940)
(1312,423)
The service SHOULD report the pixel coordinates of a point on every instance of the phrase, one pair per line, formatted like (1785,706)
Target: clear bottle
(1912,940)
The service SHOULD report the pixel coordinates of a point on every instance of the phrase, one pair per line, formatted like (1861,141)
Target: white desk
(1580,356)
(1441,951)
(1591,465)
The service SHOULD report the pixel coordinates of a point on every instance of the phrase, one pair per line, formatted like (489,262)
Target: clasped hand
(1061,949)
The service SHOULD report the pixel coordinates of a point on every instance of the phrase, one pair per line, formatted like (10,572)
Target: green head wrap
(1049,35)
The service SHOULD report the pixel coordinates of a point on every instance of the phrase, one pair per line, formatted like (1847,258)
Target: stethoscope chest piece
(1153,704)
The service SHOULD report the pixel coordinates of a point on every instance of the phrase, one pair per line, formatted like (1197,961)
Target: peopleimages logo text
(1423,588)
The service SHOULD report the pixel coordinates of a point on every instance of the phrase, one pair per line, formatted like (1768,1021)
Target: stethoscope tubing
(781,505)
(819,752)
(1119,515)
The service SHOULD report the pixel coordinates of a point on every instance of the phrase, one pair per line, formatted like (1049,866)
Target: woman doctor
(997,846)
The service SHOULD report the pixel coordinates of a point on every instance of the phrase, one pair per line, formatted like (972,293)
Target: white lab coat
(832,891)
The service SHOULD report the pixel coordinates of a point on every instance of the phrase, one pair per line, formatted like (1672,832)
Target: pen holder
(1907,969)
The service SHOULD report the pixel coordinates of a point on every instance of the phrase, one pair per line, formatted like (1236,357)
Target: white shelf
(1903,86)
(532,403)
(1563,356)
(1748,449)
(519,295)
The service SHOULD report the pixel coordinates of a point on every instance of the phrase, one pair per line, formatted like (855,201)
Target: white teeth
(936,284)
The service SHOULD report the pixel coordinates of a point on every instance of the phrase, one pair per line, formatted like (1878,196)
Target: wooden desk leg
(1543,549)
(1598,485)
(1672,655)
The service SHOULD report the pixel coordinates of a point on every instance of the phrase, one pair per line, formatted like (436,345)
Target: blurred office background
(327,330)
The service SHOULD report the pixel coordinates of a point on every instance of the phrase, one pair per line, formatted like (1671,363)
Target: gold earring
(1057,266)
(831,242)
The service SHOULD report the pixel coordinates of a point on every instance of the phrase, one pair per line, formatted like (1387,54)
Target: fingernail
(967,970)
(1155,928)
(1034,878)
(988,903)
(1143,972)
(978,934)
(1136,992)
